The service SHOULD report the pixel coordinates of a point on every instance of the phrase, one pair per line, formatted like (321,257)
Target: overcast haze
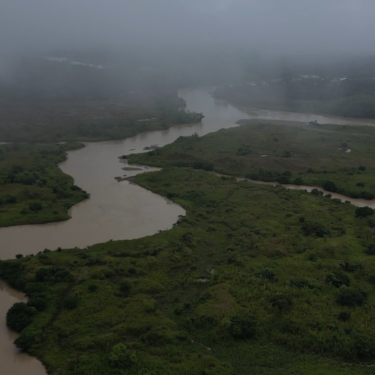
(289,25)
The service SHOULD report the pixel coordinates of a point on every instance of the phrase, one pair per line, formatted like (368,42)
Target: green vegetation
(283,152)
(33,189)
(238,286)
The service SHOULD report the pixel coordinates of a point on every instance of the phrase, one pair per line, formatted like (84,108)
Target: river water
(117,210)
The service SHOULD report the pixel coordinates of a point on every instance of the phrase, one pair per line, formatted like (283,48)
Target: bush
(71,302)
(367,195)
(364,211)
(301,283)
(242,327)
(267,274)
(315,228)
(330,186)
(42,274)
(125,286)
(337,279)
(344,316)
(92,288)
(35,206)
(281,302)
(350,297)
(298,181)
(283,180)
(19,316)
(291,327)
(122,356)
(38,303)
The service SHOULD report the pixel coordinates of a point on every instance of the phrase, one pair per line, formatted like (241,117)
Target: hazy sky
(273,24)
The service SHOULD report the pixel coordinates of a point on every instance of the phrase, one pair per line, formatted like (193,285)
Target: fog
(100,45)
(265,25)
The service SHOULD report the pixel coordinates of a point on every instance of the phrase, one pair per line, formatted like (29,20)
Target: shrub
(39,303)
(267,274)
(291,327)
(242,327)
(315,228)
(364,211)
(367,195)
(283,180)
(125,286)
(344,316)
(350,297)
(330,186)
(281,302)
(71,302)
(316,192)
(337,279)
(35,206)
(92,288)
(122,356)
(19,316)
(370,249)
(298,181)
(301,283)
(42,274)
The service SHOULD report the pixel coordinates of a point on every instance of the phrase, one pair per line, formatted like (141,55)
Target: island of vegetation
(254,279)
(336,158)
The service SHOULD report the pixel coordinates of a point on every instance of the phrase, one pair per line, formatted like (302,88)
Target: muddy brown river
(118,210)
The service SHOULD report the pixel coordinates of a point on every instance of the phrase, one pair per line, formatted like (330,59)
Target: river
(117,210)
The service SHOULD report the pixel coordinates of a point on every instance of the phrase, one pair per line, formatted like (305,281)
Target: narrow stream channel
(117,210)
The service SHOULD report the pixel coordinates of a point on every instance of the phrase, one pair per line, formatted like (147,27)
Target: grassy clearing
(254,279)
(290,153)
(33,189)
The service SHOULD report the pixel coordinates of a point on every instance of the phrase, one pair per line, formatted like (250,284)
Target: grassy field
(253,280)
(338,159)
(33,189)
